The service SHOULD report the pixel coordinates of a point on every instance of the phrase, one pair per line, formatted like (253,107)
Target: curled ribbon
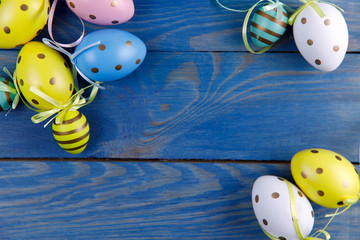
(72,58)
(311,3)
(50,23)
(75,102)
(273,5)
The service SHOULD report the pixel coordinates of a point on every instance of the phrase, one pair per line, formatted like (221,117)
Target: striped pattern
(73,133)
(265,28)
(6,98)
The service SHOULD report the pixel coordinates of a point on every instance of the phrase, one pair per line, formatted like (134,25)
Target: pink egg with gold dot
(103,12)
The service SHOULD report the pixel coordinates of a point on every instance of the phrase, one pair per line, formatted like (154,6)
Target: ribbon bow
(75,102)
(311,3)
(72,58)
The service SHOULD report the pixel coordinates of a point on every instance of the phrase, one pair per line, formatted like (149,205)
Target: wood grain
(195,25)
(208,106)
(133,200)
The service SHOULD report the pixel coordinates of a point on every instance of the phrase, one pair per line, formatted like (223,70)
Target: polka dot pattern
(43,68)
(24,7)
(275,195)
(7,30)
(271,203)
(103,12)
(114,3)
(52,81)
(102,47)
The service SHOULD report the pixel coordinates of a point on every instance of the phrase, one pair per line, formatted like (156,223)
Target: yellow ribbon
(6,88)
(295,219)
(311,3)
(75,102)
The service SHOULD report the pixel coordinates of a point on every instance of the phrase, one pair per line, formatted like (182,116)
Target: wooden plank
(140,200)
(208,106)
(194,25)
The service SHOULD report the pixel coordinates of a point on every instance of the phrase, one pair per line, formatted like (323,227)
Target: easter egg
(272,207)
(266,28)
(6,98)
(73,133)
(118,54)
(323,42)
(103,12)
(44,68)
(21,21)
(326,177)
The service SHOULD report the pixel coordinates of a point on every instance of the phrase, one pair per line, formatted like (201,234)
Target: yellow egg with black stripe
(73,133)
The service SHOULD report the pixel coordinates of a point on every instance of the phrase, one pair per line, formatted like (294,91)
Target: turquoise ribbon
(15,90)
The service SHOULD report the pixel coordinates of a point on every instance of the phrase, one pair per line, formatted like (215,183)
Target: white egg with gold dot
(272,206)
(323,42)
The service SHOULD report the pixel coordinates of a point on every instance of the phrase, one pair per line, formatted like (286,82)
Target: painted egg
(6,98)
(44,68)
(21,21)
(326,177)
(266,28)
(272,206)
(104,12)
(118,54)
(323,42)
(73,133)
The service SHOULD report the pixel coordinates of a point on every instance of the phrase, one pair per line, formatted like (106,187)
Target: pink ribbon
(50,23)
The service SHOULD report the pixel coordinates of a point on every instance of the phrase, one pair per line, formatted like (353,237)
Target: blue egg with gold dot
(266,27)
(117,54)
(6,98)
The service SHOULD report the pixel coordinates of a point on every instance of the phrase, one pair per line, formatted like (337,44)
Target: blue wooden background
(176,146)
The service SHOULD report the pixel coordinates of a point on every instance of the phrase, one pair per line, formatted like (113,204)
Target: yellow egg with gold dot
(45,69)
(326,177)
(73,133)
(21,21)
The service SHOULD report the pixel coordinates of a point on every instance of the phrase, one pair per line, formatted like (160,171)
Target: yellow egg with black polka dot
(326,177)
(42,67)
(21,21)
